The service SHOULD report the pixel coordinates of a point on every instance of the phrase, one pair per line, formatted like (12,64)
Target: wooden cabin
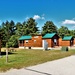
(66,41)
(52,39)
(30,41)
(39,41)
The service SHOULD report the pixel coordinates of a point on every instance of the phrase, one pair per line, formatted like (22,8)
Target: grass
(25,58)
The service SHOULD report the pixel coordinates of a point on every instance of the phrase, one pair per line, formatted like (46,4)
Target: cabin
(25,41)
(52,39)
(30,42)
(66,41)
(49,40)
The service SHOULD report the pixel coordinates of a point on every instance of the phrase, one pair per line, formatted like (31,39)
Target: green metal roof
(25,37)
(67,38)
(49,35)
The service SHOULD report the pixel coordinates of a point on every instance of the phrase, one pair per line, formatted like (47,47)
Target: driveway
(64,66)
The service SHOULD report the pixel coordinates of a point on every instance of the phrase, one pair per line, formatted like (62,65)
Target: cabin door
(55,42)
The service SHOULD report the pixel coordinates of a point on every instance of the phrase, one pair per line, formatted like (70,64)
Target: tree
(49,27)
(72,33)
(18,30)
(63,31)
(31,27)
(8,31)
(13,41)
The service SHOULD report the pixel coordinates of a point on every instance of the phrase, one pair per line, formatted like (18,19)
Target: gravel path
(65,66)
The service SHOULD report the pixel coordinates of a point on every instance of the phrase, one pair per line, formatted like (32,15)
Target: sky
(61,12)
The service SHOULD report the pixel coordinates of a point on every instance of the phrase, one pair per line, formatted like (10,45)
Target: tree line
(11,32)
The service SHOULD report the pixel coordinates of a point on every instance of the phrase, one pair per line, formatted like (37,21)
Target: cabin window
(26,41)
(35,36)
(55,41)
(34,40)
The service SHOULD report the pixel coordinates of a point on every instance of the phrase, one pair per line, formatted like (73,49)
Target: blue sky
(61,12)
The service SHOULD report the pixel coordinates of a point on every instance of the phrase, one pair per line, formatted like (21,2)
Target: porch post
(18,43)
(22,42)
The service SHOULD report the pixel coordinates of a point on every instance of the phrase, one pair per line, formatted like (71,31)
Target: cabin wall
(28,43)
(37,41)
(65,43)
(60,41)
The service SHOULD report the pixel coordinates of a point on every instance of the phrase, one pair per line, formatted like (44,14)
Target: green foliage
(31,26)
(13,42)
(9,31)
(72,33)
(63,31)
(26,28)
(49,27)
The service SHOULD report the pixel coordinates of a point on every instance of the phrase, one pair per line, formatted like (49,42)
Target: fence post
(7,55)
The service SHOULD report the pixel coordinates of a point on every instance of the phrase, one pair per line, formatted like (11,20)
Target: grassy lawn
(24,58)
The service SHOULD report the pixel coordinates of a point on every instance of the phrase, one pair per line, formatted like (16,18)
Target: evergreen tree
(49,27)
(31,27)
(63,31)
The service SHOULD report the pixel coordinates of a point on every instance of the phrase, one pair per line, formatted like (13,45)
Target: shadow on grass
(4,53)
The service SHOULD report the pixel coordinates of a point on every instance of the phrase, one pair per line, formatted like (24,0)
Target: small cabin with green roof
(39,41)
(29,41)
(24,41)
(52,39)
(67,41)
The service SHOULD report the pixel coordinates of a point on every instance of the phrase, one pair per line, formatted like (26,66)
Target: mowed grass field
(25,58)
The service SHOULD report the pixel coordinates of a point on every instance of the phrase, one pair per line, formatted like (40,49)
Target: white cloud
(68,22)
(36,17)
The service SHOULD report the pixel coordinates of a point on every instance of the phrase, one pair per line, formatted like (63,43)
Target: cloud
(37,17)
(68,22)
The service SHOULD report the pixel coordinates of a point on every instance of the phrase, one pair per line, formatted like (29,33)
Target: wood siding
(51,41)
(36,41)
(66,42)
